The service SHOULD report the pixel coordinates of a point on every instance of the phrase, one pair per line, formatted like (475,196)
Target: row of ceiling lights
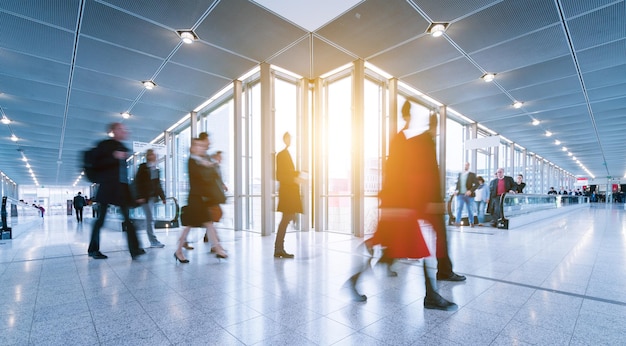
(187,37)
(6,121)
(438,29)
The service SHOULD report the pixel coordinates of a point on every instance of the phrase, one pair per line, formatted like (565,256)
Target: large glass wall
(250,161)
(455,148)
(286,119)
(218,121)
(373,145)
(337,156)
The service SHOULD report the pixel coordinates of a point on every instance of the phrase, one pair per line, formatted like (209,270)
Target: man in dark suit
(79,203)
(289,202)
(110,163)
(501,185)
(466,185)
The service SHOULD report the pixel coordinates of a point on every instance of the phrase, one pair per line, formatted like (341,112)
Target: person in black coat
(79,203)
(110,163)
(148,186)
(498,187)
(519,184)
(202,199)
(289,202)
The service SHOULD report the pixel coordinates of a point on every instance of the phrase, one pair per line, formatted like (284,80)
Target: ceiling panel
(214,60)
(33,68)
(101,22)
(448,11)
(374,26)
(400,61)
(120,43)
(501,22)
(176,14)
(116,61)
(446,75)
(33,38)
(598,27)
(253,26)
(541,72)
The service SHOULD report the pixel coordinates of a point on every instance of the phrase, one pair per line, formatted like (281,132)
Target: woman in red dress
(401,200)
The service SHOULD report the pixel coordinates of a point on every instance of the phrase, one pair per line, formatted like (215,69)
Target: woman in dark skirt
(202,176)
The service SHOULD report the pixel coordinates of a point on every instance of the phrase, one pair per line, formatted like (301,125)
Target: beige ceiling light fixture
(437,29)
(488,77)
(148,84)
(187,36)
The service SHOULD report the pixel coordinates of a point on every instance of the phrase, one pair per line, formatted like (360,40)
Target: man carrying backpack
(109,161)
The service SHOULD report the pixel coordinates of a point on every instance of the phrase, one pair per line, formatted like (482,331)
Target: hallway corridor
(557,282)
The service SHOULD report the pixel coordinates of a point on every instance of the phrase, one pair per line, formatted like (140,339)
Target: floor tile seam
(550,290)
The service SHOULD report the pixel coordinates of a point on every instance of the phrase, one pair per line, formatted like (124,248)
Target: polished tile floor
(556,282)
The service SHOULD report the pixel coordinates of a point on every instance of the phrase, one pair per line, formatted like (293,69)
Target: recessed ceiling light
(14,138)
(437,29)
(557,142)
(148,84)
(125,115)
(517,104)
(536,122)
(187,36)
(488,77)
(569,154)
(564,149)
(5,120)
(548,133)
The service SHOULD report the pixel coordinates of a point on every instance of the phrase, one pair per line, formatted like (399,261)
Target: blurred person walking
(110,163)
(149,190)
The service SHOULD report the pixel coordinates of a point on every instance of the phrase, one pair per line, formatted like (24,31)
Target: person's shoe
(282,254)
(354,294)
(97,255)
(206,238)
(472,225)
(450,277)
(456,224)
(187,246)
(138,253)
(184,260)
(494,224)
(437,302)
(157,245)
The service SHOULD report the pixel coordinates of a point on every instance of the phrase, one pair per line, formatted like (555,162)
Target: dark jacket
(509,184)
(519,188)
(79,202)
(289,191)
(146,186)
(112,189)
(470,185)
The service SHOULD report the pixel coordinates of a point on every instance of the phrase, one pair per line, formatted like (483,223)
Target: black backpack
(89,165)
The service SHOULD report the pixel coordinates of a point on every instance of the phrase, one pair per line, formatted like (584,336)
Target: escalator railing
(164,215)
(521,209)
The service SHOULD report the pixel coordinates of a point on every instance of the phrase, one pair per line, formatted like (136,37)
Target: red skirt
(399,231)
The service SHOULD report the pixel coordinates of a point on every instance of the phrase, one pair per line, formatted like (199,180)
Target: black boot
(434,300)
(356,296)
(388,262)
